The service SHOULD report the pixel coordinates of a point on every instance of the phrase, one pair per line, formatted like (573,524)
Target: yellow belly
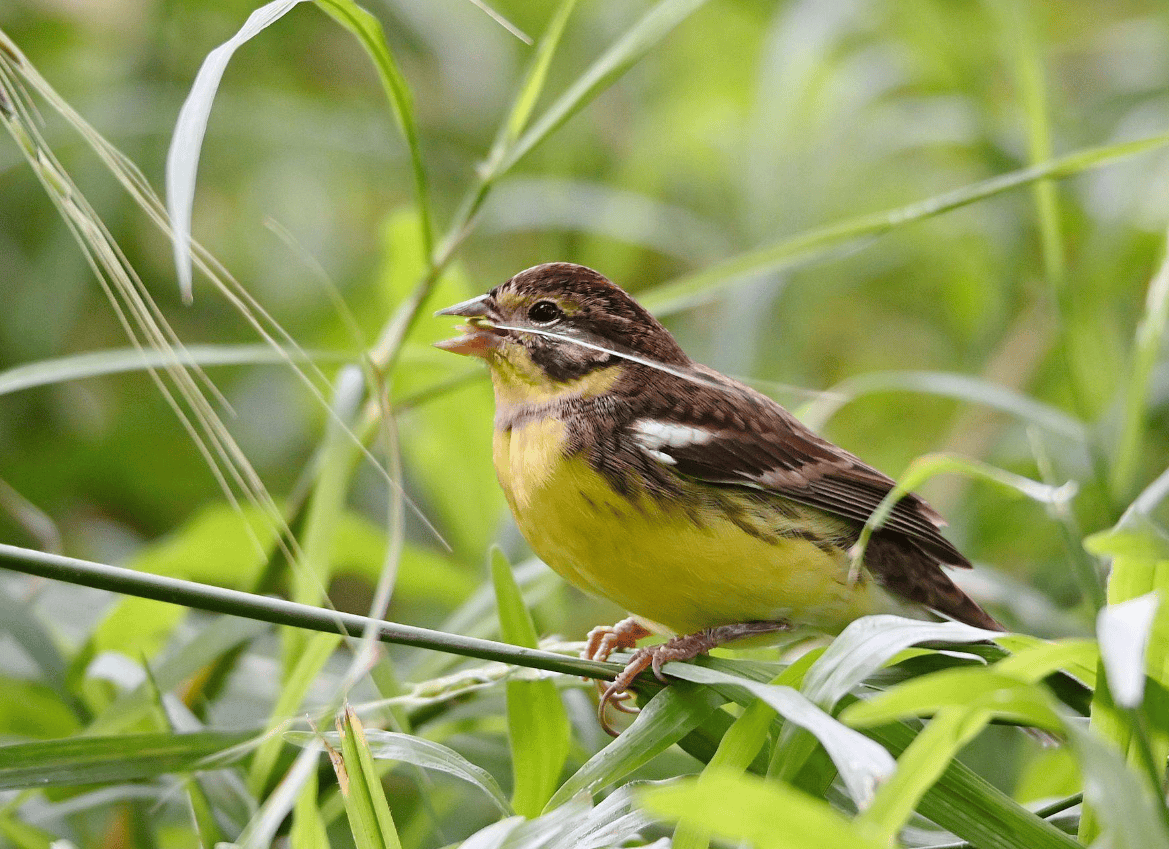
(656,561)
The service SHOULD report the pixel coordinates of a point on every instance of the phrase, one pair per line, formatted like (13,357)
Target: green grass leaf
(669,716)
(127,757)
(1032,659)
(1132,814)
(529,92)
(182,162)
(638,40)
(768,815)
(1000,695)
(961,387)
(365,800)
(700,286)
(368,31)
(1123,630)
(868,644)
(389,745)
(862,763)
(538,729)
(308,826)
(921,765)
(965,803)
(122,360)
(316,652)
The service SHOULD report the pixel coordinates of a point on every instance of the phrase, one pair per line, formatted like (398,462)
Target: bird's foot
(601,642)
(604,639)
(683,647)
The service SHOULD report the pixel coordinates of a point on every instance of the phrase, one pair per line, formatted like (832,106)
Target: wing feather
(749,440)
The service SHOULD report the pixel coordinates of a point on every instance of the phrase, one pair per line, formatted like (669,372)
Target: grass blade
(1123,630)
(742,807)
(533,85)
(700,286)
(182,158)
(127,757)
(368,31)
(537,724)
(120,360)
(365,800)
(1133,816)
(668,717)
(965,803)
(948,385)
(388,745)
(862,763)
(638,40)
(868,644)
(999,695)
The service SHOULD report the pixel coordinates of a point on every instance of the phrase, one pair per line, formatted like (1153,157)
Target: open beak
(479,336)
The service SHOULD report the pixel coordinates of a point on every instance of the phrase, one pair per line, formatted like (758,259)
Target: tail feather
(906,569)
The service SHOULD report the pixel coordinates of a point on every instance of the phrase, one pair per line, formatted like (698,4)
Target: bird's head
(556,323)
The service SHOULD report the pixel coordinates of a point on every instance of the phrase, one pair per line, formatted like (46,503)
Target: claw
(654,658)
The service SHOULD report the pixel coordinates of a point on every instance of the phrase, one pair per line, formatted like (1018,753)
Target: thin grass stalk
(281,612)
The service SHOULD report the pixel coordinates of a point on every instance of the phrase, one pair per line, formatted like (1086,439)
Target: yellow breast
(685,569)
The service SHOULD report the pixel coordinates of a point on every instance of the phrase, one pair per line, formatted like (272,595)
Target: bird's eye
(544,312)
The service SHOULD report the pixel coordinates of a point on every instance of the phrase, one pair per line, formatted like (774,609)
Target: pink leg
(685,647)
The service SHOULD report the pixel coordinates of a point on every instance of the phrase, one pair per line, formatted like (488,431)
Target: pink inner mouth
(477,340)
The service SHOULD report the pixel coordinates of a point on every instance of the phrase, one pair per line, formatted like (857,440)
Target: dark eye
(544,312)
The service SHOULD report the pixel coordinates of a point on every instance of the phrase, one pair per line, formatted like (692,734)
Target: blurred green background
(751,123)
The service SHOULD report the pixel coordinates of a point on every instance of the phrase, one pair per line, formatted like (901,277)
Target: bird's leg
(684,647)
(602,641)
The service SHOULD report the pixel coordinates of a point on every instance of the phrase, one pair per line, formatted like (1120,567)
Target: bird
(699,505)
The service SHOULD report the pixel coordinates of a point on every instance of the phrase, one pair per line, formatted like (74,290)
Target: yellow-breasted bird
(697,504)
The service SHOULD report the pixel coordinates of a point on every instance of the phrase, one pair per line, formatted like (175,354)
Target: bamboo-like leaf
(128,757)
(862,763)
(768,815)
(365,800)
(1147,347)
(868,644)
(1133,816)
(368,31)
(1032,659)
(182,159)
(537,724)
(921,765)
(182,162)
(615,821)
(668,717)
(742,742)
(309,663)
(389,745)
(968,805)
(533,85)
(997,694)
(1123,630)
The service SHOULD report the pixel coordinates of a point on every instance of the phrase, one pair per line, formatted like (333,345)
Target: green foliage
(948,216)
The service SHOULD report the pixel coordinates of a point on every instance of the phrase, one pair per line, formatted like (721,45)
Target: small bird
(699,505)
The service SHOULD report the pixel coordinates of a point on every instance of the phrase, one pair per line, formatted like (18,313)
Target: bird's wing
(726,433)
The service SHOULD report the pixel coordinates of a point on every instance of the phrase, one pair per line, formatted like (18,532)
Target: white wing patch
(656,438)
